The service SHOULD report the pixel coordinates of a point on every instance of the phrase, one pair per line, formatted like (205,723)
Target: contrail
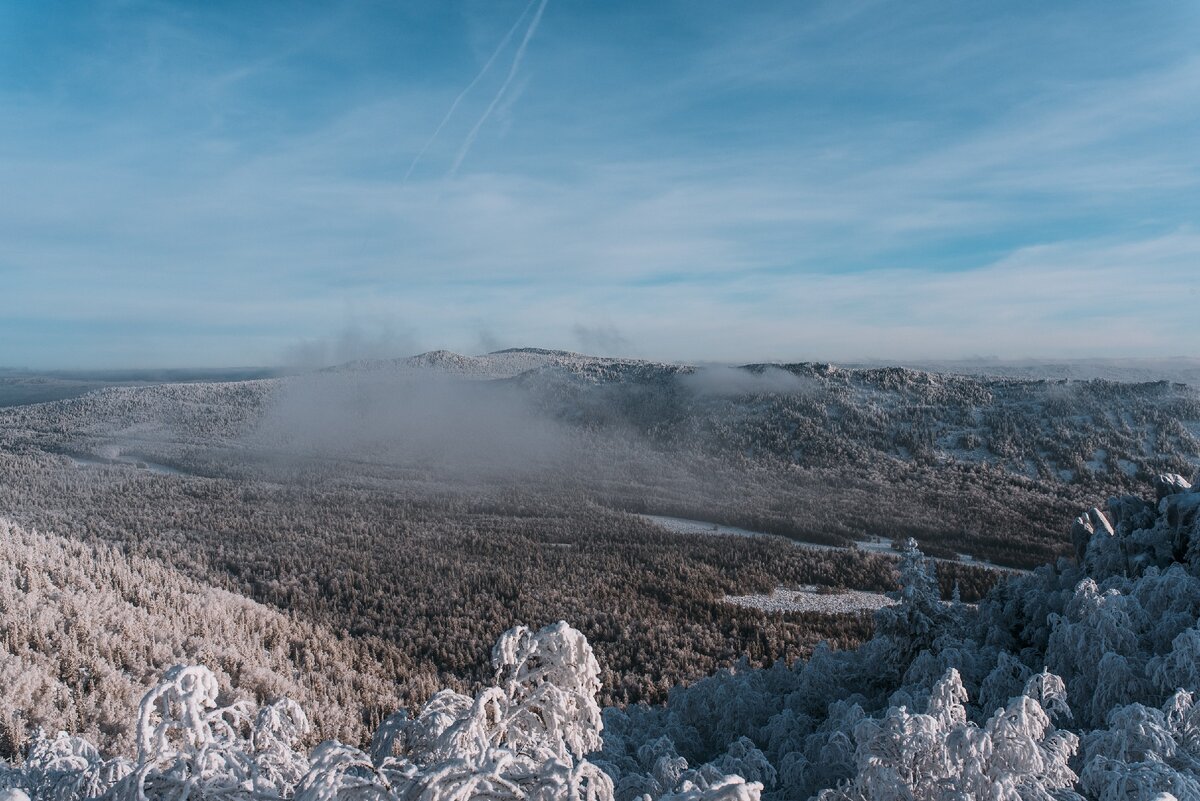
(512,71)
(453,106)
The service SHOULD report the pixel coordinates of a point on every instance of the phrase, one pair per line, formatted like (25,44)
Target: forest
(359,538)
(1074,683)
(425,508)
(877,477)
(986,466)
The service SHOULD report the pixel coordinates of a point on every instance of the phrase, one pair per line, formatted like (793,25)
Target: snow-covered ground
(782,599)
(680,525)
(126,461)
(807,599)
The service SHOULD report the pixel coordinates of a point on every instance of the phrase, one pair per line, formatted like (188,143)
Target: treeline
(525,737)
(433,560)
(1077,682)
(1094,433)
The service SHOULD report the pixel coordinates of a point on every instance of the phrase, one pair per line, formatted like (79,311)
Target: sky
(253,183)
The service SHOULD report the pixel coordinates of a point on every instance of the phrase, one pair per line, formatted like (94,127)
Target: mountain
(759,446)
(418,514)
(507,363)
(1179,369)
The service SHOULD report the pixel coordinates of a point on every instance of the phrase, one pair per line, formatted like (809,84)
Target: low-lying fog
(416,417)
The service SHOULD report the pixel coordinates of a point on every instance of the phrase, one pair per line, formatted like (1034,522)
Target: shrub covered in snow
(524,738)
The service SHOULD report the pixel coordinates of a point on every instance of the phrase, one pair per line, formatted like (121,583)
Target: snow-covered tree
(524,739)
(1073,682)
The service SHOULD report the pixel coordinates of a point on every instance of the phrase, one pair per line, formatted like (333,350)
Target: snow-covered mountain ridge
(739,446)
(500,364)
(809,414)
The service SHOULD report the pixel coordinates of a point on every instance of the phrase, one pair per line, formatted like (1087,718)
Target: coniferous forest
(366,572)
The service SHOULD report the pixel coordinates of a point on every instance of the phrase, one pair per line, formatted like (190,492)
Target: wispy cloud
(603,340)
(487,65)
(508,79)
(833,182)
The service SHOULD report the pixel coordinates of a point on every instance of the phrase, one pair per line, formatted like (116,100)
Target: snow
(808,599)
(681,525)
(1098,462)
(1076,683)
(125,461)
(944,703)
(524,739)
(498,365)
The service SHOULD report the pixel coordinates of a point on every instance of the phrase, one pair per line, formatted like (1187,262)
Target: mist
(410,423)
(415,418)
(352,343)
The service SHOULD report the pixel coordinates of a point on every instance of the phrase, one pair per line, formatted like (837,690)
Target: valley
(418,508)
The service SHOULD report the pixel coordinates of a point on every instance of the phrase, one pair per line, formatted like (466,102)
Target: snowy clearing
(807,599)
(680,525)
(126,461)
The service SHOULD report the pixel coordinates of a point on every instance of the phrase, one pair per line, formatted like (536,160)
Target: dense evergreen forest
(412,512)
(1074,683)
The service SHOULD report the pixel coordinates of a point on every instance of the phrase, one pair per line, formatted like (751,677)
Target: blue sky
(221,183)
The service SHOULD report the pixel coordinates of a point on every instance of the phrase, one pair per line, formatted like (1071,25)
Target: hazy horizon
(292,367)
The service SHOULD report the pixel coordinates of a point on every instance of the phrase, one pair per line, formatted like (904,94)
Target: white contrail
(512,71)
(453,106)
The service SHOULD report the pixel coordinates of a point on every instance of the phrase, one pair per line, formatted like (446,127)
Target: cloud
(478,76)
(508,79)
(414,418)
(352,343)
(980,199)
(486,341)
(601,340)
(1084,298)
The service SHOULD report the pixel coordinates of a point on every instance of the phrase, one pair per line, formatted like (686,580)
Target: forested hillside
(85,630)
(962,463)
(1075,683)
(440,577)
(421,508)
